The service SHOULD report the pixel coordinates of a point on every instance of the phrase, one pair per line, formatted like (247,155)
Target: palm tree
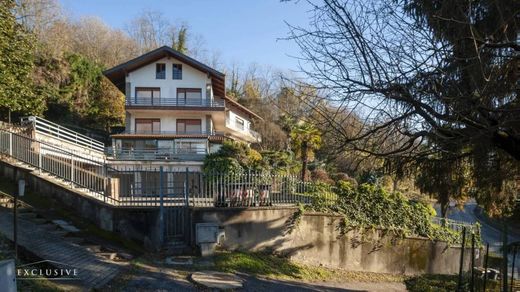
(306,139)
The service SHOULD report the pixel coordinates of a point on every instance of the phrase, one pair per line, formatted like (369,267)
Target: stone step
(49,226)
(178,249)
(70,228)
(122,255)
(125,256)
(26,210)
(39,220)
(65,225)
(28,215)
(75,240)
(109,255)
(93,247)
(60,233)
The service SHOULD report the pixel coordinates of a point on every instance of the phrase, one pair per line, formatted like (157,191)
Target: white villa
(177,112)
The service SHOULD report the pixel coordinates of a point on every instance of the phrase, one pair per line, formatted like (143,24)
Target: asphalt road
(489,233)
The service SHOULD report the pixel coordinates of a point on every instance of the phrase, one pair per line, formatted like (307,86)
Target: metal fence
(138,187)
(72,169)
(455,225)
(197,189)
(173,101)
(165,154)
(63,134)
(252,189)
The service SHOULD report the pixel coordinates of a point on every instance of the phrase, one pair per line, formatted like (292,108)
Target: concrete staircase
(59,241)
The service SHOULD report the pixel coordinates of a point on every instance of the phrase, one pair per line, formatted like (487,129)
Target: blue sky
(242,31)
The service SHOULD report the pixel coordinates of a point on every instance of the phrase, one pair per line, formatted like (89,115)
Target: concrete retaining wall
(316,240)
(137,224)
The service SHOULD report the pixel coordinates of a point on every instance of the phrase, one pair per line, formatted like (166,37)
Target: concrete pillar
(10,144)
(208,124)
(113,187)
(128,90)
(128,122)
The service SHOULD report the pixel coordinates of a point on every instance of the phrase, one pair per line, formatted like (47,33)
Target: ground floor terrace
(178,147)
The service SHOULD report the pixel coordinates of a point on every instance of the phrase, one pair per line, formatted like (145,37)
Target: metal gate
(176,224)
(176,216)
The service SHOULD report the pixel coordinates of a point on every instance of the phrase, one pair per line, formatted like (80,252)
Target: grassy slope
(270,266)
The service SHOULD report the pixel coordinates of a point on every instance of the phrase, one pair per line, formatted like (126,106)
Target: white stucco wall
(233,116)
(191,78)
(168,118)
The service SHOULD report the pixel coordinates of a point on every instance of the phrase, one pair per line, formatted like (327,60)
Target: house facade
(176,112)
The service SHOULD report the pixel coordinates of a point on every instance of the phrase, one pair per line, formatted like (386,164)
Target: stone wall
(317,240)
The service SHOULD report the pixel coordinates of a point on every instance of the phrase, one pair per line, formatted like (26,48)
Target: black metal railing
(144,132)
(138,187)
(193,154)
(173,101)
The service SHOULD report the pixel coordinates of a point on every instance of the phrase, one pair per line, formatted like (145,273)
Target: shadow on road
(259,284)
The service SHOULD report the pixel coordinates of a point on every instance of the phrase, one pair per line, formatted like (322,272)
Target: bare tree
(428,82)
(92,38)
(150,30)
(38,15)
(374,59)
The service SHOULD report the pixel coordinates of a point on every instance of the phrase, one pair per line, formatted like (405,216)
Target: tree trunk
(394,187)
(444,201)
(444,210)
(304,160)
(508,143)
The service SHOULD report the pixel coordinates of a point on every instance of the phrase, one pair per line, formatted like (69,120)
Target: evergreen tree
(16,66)
(179,41)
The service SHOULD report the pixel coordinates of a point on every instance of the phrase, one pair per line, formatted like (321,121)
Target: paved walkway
(93,271)
(269,285)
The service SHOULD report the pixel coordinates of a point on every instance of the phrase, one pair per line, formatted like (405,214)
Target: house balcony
(157,154)
(133,134)
(173,103)
(242,132)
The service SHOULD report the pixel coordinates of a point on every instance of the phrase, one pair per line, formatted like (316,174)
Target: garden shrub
(234,157)
(321,175)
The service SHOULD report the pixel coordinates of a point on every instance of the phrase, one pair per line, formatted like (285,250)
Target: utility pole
(486,266)
(20,192)
(504,255)
(461,267)
(513,268)
(472,287)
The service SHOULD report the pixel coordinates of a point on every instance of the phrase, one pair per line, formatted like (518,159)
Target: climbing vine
(369,207)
